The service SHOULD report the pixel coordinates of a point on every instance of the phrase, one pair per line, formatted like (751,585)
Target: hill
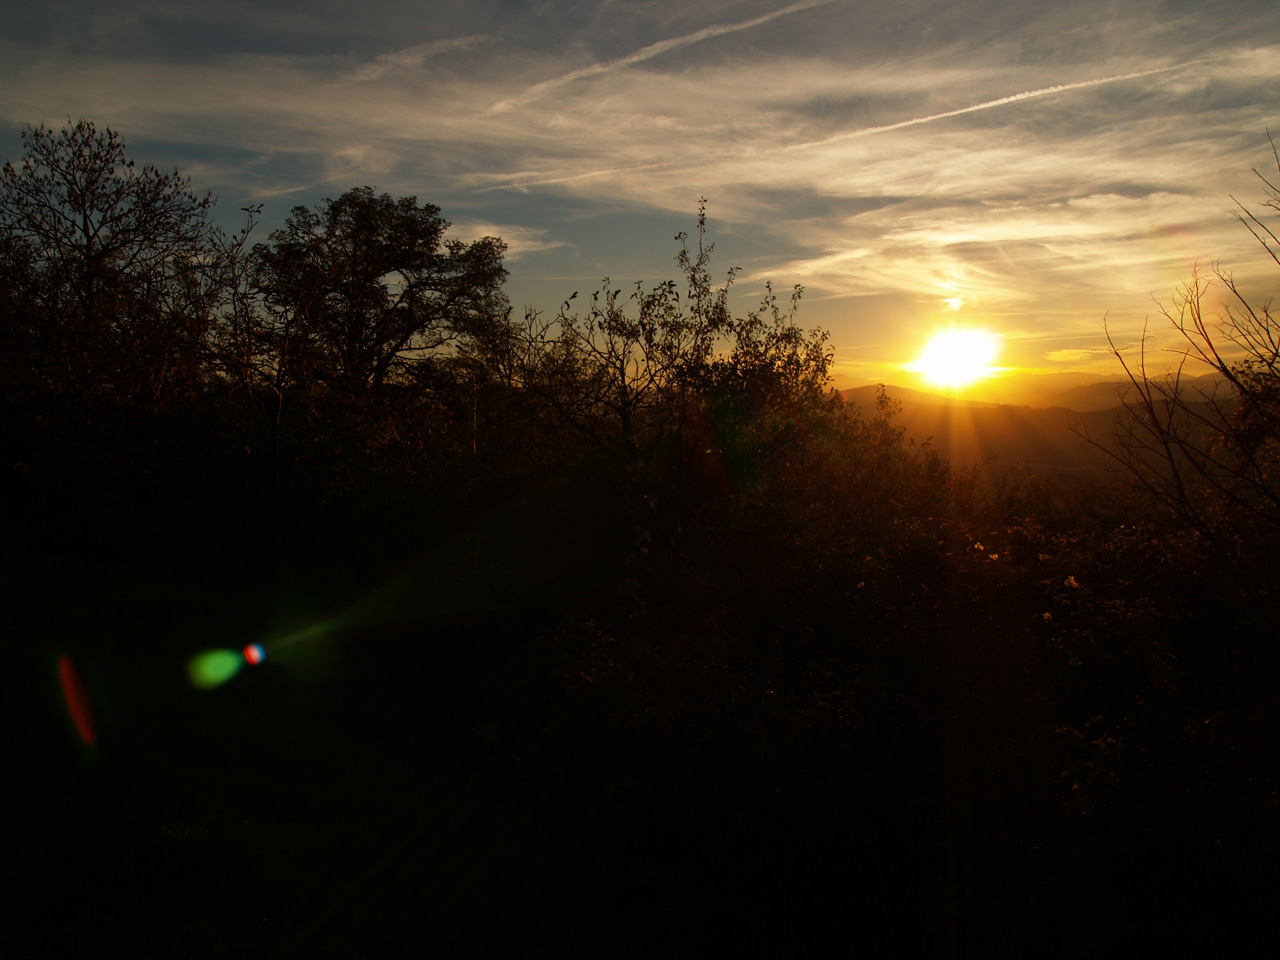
(1081,392)
(1002,439)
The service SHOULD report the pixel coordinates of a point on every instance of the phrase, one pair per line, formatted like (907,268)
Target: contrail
(868,131)
(651,51)
(566,178)
(986,105)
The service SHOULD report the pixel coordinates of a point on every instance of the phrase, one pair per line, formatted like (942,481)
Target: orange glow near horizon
(958,357)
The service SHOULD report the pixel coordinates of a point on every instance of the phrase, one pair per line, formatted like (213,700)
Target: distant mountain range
(1081,392)
(1051,425)
(1006,441)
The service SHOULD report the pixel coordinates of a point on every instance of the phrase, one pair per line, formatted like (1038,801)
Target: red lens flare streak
(78,703)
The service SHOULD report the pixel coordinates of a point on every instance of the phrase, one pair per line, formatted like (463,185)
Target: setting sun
(957,358)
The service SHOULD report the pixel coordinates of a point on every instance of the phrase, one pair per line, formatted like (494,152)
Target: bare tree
(1210,455)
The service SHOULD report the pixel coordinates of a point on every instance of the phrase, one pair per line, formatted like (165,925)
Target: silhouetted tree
(1211,456)
(102,266)
(362,287)
(641,376)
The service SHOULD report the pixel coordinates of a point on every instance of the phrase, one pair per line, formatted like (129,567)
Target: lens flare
(213,668)
(78,703)
(254,653)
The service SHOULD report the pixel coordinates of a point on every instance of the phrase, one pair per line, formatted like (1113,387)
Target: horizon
(1018,387)
(1031,171)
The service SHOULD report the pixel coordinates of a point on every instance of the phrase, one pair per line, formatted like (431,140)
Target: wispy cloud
(1047,165)
(521,241)
(412,57)
(842,137)
(539,90)
(1077,355)
(985,105)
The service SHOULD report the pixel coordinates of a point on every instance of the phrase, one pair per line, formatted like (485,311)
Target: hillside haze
(1003,438)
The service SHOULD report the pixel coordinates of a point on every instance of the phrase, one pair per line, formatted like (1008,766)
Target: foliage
(102,268)
(623,381)
(360,288)
(675,385)
(669,580)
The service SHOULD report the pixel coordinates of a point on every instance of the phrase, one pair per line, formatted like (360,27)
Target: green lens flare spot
(214,668)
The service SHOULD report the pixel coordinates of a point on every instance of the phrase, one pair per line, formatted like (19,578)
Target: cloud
(1077,355)
(1048,165)
(987,105)
(693,111)
(539,90)
(520,241)
(413,57)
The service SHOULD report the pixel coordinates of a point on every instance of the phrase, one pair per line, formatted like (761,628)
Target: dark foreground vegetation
(633,638)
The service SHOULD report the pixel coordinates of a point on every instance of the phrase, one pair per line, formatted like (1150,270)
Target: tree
(102,266)
(1211,456)
(623,375)
(361,288)
(665,383)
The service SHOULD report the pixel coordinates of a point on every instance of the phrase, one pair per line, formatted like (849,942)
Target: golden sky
(1027,168)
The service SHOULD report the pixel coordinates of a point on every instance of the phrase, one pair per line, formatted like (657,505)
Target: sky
(1032,169)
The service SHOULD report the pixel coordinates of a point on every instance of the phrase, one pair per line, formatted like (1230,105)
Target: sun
(957,357)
